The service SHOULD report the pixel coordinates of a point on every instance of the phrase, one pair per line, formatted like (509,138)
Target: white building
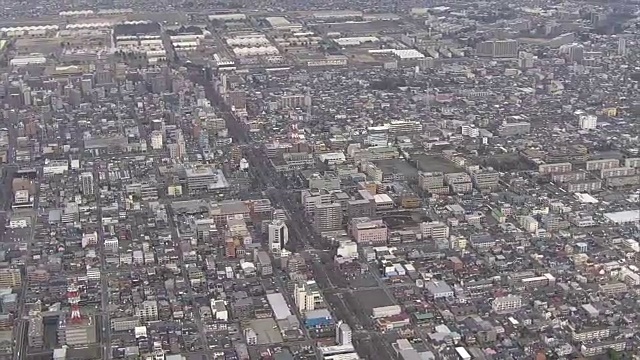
(148,310)
(343,334)
(587,122)
(87,183)
(157,141)
(378,135)
(507,303)
(308,296)
(278,235)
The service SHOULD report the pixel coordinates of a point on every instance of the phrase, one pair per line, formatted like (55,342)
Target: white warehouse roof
(622,217)
(249,40)
(350,41)
(402,54)
(227,17)
(256,51)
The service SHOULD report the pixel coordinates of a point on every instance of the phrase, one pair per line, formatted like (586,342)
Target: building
(157,140)
(587,122)
(507,303)
(439,290)
(433,182)
(555,168)
(622,46)
(327,217)
(617,172)
(147,311)
(35,334)
(343,334)
(435,230)
(278,235)
(597,165)
(485,179)
(86,180)
(263,263)
(75,333)
(10,278)
(367,231)
(308,296)
(514,129)
(378,135)
(459,183)
(204,179)
(498,48)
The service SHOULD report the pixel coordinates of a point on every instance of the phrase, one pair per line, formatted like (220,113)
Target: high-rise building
(327,217)
(278,235)
(87,183)
(588,122)
(622,46)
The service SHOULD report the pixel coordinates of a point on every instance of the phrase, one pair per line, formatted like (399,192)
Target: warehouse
(623,217)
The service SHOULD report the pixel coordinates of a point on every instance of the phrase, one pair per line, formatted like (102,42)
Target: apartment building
(327,217)
(507,303)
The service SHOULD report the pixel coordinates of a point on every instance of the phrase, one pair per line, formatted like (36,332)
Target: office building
(86,179)
(278,235)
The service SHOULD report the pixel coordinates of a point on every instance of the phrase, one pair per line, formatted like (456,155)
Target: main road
(301,234)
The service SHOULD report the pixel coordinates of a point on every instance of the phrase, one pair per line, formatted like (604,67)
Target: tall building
(576,53)
(327,217)
(157,141)
(587,122)
(278,235)
(622,46)
(343,334)
(87,183)
(35,333)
